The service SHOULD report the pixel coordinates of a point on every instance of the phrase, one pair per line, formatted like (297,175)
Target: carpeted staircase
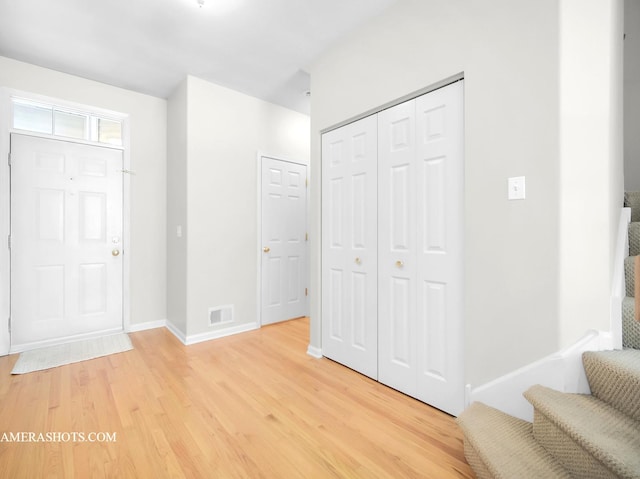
(593,435)
(631,327)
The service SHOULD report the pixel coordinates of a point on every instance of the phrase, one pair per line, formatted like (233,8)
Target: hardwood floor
(254,405)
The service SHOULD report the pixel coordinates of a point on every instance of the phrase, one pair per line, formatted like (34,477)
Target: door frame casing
(259,157)
(6,130)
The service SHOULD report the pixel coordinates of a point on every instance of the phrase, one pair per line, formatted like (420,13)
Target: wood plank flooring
(254,405)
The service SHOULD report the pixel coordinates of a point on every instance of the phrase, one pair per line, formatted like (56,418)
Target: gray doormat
(54,356)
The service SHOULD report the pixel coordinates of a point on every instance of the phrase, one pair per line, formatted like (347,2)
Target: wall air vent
(220,315)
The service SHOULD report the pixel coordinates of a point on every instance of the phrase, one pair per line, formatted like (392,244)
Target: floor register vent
(221,315)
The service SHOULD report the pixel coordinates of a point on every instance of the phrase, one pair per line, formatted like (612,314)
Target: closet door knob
(399,264)
(266,249)
(358,261)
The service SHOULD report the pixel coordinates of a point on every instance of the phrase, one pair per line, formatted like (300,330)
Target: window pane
(70,124)
(109,131)
(32,117)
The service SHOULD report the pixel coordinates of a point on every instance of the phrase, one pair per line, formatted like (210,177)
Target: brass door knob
(399,264)
(358,261)
(266,249)
(115,252)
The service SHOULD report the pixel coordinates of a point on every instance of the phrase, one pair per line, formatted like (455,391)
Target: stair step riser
(634,239)
(573,457)
(630,327)
(629,277)
(473,458)
(614,377)
(632,200)
(497,445)
(590,438)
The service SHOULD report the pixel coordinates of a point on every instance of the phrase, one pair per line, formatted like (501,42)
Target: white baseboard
(314,352)
(562,371)
(134,328)
(176,332)
(220,333)
(199,338)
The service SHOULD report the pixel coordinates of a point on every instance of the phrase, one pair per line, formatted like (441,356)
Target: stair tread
(609,435)
(614,377)
(506,445)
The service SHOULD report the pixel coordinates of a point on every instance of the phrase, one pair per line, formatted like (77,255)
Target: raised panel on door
(440,170)
(284,258)
(66,221)
(349,245)
(397,360)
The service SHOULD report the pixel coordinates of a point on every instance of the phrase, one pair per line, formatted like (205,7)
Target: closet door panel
(349,246)
(440,173)
(397,359)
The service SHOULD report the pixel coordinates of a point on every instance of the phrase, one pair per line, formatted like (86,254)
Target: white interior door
(440,220)
(66,240)
(397,265)
(349,246)
(284,253)
(420,248)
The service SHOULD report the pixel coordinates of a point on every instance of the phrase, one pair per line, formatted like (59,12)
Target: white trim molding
(562,371)
(219,333)
(134,328)
(173,329)
(314,352)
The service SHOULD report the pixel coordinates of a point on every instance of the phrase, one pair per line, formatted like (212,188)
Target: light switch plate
(517,190)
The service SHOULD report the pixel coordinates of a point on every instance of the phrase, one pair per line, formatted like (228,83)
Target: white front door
(66,240)
(349,246)
(284,247)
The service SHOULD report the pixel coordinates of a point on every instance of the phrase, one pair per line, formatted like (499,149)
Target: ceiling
(259,47)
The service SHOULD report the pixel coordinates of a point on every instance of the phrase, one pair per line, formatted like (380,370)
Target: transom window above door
(63,122)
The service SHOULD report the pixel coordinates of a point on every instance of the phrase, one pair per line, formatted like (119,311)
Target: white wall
(225,131)
(509,53)
(632,95)
(591,161)
(177,208)
(148,117)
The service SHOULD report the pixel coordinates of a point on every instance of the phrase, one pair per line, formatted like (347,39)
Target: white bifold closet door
(392,236)
(420,271)
(349,246)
